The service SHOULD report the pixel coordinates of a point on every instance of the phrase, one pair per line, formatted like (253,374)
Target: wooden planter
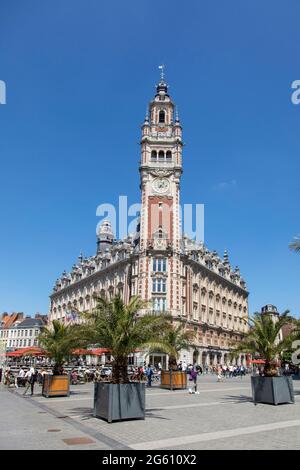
(173,379)
(56,386)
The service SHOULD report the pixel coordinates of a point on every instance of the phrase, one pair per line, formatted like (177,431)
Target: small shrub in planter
(58,341)
(175,339)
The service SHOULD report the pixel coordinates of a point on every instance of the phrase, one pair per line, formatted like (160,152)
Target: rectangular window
(159,304)
(159,265)
(159,285)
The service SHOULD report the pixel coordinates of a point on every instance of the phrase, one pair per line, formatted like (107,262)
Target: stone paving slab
(222,416)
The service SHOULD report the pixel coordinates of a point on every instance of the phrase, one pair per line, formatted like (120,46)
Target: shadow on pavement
(238,399)
(84,412)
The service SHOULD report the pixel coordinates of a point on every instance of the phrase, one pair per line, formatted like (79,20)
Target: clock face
(161,185)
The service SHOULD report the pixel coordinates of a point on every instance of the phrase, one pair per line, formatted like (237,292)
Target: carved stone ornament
(162,173)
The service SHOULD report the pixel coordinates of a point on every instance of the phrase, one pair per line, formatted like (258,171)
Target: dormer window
(161,116)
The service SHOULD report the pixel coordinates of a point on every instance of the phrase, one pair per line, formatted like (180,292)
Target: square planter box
(273,390)
(115,402)
(56,386)
(173,379)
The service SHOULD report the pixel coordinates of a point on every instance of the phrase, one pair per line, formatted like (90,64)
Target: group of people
(24,378)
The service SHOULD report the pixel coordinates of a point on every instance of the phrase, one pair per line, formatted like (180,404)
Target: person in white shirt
(27,376)
(184,366)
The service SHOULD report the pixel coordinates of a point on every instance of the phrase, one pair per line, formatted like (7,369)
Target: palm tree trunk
(119,370)
(269,369)
(173,363)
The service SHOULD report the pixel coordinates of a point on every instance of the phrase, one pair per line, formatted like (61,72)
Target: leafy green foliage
(263,339)
(295,245)
(58,340)
(120,328)
(175,338)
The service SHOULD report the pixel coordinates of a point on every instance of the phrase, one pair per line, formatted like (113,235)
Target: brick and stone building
(172,272)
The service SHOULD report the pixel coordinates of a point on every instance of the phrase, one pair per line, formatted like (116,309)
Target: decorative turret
(226,258)
(105,237)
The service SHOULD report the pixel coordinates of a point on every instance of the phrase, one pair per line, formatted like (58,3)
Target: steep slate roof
(30,323)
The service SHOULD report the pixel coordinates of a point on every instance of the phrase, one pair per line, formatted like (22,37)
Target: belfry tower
(160,172)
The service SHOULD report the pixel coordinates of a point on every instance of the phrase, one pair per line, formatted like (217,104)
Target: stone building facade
(17,332)
(172,272)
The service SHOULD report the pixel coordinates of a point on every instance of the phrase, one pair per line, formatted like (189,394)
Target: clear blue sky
(79,75)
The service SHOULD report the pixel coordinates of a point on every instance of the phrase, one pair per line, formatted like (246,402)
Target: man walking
(31,376)
(149,373)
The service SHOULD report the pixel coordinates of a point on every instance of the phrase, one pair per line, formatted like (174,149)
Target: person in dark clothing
(149,373)
(33,380)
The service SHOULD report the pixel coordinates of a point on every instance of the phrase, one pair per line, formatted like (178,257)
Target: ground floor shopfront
(205,357)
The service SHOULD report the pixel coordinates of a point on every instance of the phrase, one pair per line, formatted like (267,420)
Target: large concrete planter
(272,390)
(56,386)
(115,402)
(173,379)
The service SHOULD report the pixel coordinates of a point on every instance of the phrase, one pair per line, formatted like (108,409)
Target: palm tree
(173,340)
(295,245)
(263,339)
(119,328)
(59,340)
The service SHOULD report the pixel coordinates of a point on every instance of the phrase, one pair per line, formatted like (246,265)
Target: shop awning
(29,351)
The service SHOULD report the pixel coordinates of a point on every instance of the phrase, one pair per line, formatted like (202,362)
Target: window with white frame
(159,285)
(159,264)
(159,304)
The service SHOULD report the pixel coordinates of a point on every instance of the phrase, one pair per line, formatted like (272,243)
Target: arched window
(161,155)
(169,155)
(162,116)
(154,155)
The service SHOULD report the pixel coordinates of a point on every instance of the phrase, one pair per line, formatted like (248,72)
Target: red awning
(257,361)
(13,354)
(29,351)
(82,352)
(100,351)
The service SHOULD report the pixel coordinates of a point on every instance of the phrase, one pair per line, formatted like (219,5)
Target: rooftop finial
(177,115)
(162,74)
(226,258)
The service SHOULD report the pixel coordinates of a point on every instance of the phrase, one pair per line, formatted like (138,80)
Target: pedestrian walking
(193,378)
(149,373)
(7,377)
(31,379)
(219,374)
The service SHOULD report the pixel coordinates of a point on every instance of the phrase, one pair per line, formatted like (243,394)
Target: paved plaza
(221,417)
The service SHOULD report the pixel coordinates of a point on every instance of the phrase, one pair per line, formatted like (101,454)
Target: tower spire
(162,74)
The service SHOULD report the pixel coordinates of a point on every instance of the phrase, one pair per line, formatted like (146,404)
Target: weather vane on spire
(162,68)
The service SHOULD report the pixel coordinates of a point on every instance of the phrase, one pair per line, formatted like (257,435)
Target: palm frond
(295,244)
